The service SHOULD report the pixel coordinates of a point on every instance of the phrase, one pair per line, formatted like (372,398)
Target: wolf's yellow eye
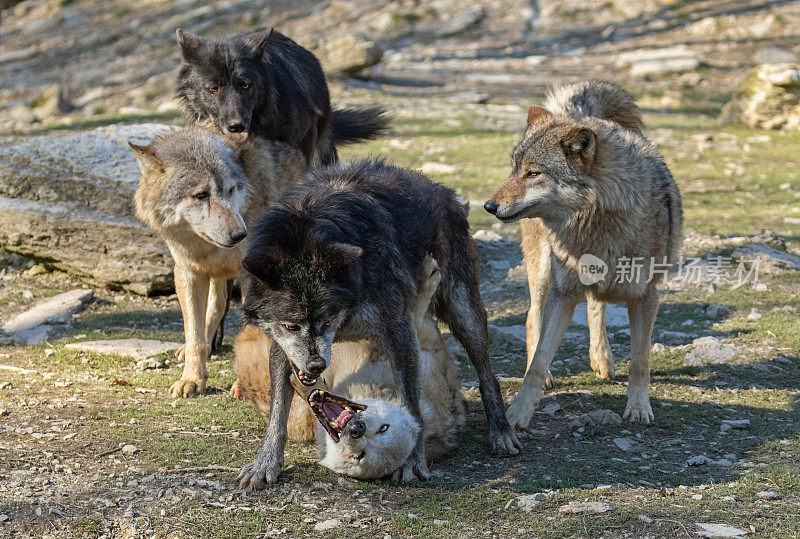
(531,174)
(213,89)
(291,327)
(202,195)
(245,86)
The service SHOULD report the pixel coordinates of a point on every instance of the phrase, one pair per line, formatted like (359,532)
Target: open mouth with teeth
(305,379)
(333,412)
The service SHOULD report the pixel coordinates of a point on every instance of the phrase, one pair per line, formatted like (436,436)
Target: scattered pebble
(769,495)
(328,525)
(755,314)
(581,508)
(720,530)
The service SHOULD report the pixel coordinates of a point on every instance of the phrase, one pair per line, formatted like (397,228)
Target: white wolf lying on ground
(377,441)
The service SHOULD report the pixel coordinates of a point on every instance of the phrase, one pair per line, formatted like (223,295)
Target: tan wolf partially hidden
(596,202)
(374,442)
(200,195)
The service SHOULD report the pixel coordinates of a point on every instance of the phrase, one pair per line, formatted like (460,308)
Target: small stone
(329,524)
(697,496)
(737,423)
(551,409)
(487,235)
(720,530)
(150,364)
(437,522)
(579,508)
(129,449)
(769,495)
(645,519)
(463,21)
(433,167)
(4,517)
(624,443)
(5,385)
(49,352)
(597,417)
(755,314)
(658,348)
(698,460)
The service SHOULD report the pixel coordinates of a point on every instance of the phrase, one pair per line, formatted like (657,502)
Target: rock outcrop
(768,98)
(67,201)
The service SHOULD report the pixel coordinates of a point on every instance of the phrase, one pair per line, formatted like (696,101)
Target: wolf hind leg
(464,313)
(601,358)
(219,334)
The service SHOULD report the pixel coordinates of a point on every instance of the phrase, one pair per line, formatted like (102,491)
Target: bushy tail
(597,98)
(358,124)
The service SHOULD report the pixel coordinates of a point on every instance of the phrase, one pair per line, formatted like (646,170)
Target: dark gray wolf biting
(374,442)
(263,83)
(341,258)
(586,183)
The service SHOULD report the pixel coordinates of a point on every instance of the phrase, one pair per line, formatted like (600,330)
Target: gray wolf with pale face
(200,195)
(375,442)
(585,181)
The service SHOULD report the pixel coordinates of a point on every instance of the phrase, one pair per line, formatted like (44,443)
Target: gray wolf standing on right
(341,257)
(262,83)
(585,181)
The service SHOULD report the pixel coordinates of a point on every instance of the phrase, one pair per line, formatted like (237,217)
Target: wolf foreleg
(265,469)
(557,316)
(192,289)
(402,346)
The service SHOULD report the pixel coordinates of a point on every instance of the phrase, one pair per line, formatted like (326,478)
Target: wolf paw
(638,412)
(413,468)
(236,391)
(259,473)
(504,444)
(549,382)
(520,413)
(187,388)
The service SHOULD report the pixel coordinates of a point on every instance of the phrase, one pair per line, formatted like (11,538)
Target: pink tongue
(343,418)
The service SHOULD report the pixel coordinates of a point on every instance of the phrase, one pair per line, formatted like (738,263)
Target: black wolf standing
(265,84)
(340,258)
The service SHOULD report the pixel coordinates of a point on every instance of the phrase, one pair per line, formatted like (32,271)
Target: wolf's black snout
(236,127)
(315,365)
(490,206)
(236,237)
(355,428)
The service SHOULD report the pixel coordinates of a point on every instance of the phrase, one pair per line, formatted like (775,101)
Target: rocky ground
(92,445)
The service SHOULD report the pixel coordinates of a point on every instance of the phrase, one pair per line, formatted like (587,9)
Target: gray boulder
(348,54)
(711,350)
(462,21)
(67,201)
(768,98)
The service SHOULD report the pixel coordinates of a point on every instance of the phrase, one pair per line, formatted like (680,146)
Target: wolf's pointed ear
(262,266)
(147,158)
(190,44)
(343,254)
(580,143)
(536,115)
(259,40)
